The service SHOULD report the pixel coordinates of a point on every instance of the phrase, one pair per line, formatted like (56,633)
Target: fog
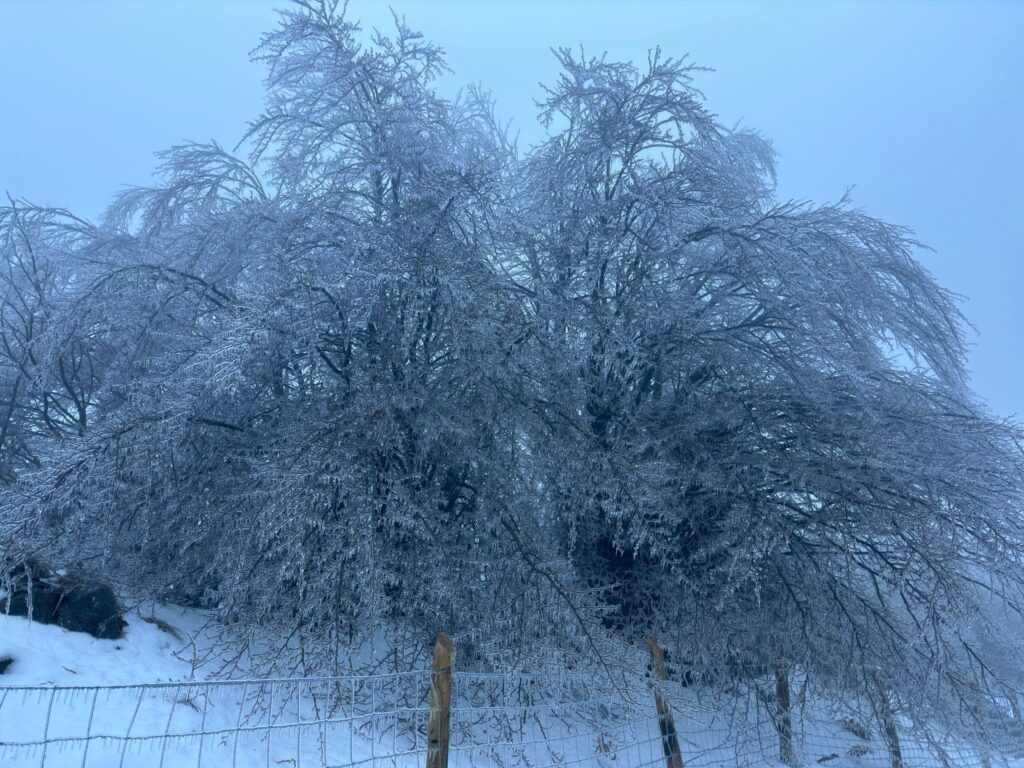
(916,105)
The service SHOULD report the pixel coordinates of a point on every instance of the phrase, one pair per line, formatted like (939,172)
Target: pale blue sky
(917,104)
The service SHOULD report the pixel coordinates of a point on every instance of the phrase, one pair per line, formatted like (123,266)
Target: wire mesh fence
(497,721)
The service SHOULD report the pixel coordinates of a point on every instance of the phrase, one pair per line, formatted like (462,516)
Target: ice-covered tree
(754,412)
(387,369)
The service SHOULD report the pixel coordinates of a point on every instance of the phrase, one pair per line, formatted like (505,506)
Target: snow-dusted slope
(84,696)
(49,655)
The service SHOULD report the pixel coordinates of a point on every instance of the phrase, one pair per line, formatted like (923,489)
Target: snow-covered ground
(84,695)
(49,655)
(144,701)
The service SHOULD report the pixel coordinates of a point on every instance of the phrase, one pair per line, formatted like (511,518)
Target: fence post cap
(444,652)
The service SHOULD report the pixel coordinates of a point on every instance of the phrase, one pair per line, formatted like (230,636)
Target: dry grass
(164,627)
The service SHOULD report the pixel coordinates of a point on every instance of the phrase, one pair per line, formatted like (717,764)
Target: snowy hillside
(141,701)
(62,687)
(154,649)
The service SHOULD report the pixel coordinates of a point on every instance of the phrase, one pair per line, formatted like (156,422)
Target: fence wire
(497,721)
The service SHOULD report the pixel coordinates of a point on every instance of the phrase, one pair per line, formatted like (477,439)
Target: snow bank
(142,700)
(45,654)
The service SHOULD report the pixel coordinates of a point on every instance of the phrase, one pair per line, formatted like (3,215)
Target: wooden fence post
(439,730)
(784,718)
(667,726)
(892,736)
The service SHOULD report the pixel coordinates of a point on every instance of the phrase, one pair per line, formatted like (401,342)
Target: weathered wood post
(439,730)
(892,736)
(784,718)
(667,726)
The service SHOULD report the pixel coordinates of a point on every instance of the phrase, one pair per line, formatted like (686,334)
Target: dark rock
(5,663)
(44,599)
(74,603)
(91,608)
